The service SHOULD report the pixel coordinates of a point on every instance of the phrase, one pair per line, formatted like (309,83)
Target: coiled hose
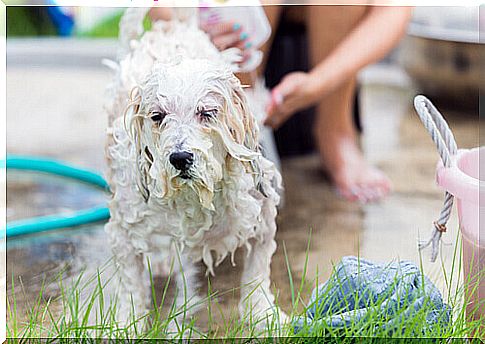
(56,221)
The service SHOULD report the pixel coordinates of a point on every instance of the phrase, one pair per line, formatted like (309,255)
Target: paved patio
(56,111)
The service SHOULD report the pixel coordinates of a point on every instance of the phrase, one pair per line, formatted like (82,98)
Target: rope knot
(443,138)
(439,227)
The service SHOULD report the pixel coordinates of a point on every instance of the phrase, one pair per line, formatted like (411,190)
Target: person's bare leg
(335,133)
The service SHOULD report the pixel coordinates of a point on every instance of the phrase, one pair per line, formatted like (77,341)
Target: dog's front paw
(132,318)
(180,328)
(269,318)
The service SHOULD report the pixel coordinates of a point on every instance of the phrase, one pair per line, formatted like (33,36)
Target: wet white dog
(185,167)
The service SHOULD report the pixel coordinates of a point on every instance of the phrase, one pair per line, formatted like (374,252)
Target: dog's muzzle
(182,161)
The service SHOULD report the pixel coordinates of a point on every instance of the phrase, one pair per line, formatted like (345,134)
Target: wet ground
(56,112)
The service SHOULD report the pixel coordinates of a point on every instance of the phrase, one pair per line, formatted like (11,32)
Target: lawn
(72,314)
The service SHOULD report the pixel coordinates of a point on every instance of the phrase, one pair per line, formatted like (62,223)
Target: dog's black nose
(182,160)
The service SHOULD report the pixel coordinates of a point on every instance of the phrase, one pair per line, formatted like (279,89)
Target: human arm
(371,39)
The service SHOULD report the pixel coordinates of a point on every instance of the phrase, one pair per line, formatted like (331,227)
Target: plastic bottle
(249,14)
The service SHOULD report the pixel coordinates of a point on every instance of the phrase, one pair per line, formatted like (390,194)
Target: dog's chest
(233,220)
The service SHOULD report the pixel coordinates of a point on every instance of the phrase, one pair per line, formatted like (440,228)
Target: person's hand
(297,90)
(226,35)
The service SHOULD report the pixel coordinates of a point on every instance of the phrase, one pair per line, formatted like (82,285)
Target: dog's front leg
(257,300)
(187,300)
(133,293)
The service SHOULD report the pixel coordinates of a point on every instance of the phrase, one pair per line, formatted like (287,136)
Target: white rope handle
(445,143)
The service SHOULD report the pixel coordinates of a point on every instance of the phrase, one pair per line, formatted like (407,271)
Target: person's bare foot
(354,178)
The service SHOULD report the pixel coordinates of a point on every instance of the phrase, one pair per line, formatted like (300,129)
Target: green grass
(109,28)
(73,314)
(29,21)
(34,21)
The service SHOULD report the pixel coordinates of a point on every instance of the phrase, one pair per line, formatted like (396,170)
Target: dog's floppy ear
(250,134)
(134,125)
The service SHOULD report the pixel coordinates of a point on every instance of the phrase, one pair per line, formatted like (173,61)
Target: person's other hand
(296,91)
(225,35)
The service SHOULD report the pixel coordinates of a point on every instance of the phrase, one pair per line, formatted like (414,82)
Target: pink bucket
(462,180)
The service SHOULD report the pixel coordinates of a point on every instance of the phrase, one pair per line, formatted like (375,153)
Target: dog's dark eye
(158,116)
(207,114)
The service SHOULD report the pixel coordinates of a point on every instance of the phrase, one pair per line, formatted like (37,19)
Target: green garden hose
(57,221)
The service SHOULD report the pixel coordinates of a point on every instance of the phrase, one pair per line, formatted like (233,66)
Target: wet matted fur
(175,92)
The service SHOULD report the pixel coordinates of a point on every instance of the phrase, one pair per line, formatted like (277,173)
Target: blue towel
(357,287)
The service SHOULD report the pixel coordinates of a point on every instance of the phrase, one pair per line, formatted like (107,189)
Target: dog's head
(191,127)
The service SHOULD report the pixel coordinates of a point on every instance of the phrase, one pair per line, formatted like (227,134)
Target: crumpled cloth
(357,286)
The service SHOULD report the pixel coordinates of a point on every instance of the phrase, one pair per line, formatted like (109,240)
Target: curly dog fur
(185,165)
